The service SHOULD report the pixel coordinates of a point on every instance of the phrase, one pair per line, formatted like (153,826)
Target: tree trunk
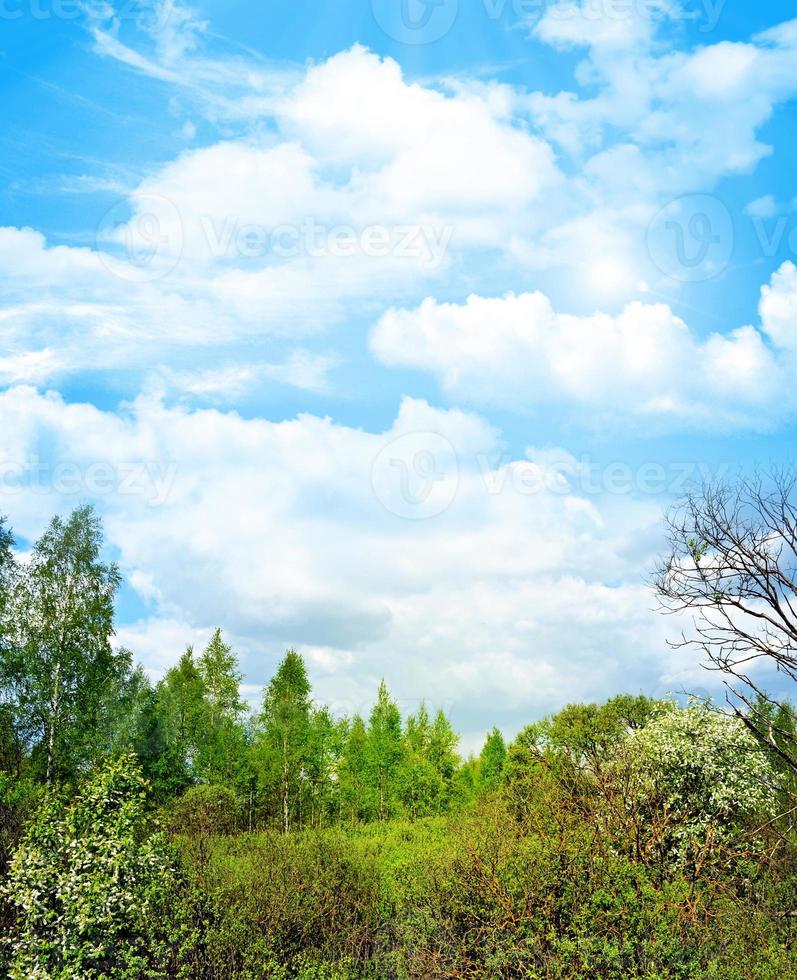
(55,704)
(285,818)
(285,809)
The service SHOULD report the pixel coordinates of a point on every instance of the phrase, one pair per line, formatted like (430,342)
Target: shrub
(305,904)
(88,884)
(205,810)
(700,775)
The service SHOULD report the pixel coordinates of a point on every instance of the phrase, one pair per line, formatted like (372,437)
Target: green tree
(322,757)
(429,763)
(60,665)
(282,738)
(443,743)
(354,790)
(572,745)
(704,771)
(7,570)
(180,710)
(491,762)
(139,727)
(586,732)
(221,745)
(90,885)
(11,744)
(383,752)
(464,787)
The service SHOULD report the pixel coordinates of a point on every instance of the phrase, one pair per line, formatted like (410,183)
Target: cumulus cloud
(276,237)
(420,553)
(655,122)
(350,188)
(517,351)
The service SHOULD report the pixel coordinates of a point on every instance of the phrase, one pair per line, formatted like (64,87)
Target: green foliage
(205,810)
(428,764)
(383,754)
(484,895)
(181,712)
(58,668)
(282,739)
(89,883)
(221,744)
(634,839)
(705,771)
(280,905)
(7,570)
(352,772)
(491,762)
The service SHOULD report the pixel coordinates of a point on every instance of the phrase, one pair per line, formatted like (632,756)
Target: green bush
(205,810)
(272,905)
(89,885)
(572,870)
(701,777)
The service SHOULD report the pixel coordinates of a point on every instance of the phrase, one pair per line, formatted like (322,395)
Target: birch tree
(221,746)
(384,751)
(59,664)
(284,726)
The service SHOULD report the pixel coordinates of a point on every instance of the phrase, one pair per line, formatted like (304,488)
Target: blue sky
(392,338)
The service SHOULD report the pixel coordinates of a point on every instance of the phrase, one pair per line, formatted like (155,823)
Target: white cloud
(778,307)
(459,176)
(499,604)
(606,24)
(261,236)
(663,121)
(517,351)
(762,207)
(302,369)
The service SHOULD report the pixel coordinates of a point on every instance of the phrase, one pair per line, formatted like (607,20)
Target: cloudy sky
(387,329)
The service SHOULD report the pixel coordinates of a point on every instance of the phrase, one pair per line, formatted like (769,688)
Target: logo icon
(415,21)
(416,475)
(140,238)
(691,238)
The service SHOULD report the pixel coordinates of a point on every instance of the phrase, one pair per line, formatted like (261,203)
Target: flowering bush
(87,884)
(703,772)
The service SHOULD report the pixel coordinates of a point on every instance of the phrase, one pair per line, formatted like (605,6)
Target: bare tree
(732,565)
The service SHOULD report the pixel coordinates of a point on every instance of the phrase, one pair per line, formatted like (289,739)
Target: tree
(383,752)
(704,773)
(205,809)
(282,739)
(138,726)
(585,733)
(491,762)
(732,566)
(464,784)
(90,885)
(354,791)
(221,742)
(320,763)
(180,715)
(60,665)
(11,748)
(7,570)
(429,763)
(443,743)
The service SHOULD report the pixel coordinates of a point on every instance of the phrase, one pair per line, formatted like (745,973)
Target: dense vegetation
(167,831)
